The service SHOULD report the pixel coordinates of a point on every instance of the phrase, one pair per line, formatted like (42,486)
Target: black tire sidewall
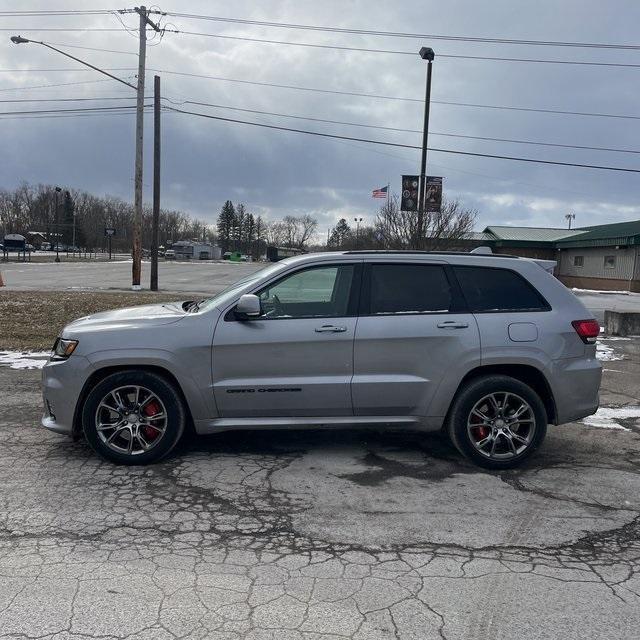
(475,391)
(164,389)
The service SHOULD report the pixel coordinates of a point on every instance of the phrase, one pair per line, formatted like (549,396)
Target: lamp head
(19,40)
(426,53)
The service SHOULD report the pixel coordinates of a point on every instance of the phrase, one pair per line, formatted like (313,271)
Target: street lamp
(357,221)
(21,40)
(57,191)
(426,53)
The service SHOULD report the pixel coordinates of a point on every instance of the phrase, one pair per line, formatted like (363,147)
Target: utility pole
(136,268)
(156,184)
(56,192)
(426,53)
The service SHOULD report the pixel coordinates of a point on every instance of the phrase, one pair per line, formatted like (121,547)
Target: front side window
(409,288)
(493,289)
(578,261)
(320,292)
(609,262)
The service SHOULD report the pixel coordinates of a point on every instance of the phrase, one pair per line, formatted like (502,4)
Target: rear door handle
(452,324)
(329,328)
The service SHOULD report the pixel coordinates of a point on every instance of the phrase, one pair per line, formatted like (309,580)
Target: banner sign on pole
(409,200)
(109,231)
(433,194)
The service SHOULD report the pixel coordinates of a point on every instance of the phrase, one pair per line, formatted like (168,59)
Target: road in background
(204,277)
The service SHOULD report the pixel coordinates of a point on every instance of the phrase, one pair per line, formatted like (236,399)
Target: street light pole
(357,221)
(426,53)
(56,192)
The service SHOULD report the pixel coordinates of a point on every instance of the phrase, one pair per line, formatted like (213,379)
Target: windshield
(228,294)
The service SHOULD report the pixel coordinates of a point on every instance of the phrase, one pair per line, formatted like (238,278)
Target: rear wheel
(497,422)
(133,417)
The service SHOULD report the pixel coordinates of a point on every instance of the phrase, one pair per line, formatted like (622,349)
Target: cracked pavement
(318,535)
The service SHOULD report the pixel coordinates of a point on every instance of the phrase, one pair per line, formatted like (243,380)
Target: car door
(296,359)
(413,332)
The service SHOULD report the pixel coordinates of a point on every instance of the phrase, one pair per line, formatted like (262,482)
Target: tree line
(396,229)
(32,208)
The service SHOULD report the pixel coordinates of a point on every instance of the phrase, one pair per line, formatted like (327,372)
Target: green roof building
(605,256)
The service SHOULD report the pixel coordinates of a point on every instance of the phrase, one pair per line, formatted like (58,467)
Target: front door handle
(452,324)
(329,328)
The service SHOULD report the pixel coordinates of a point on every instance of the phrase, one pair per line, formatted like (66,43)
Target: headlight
(62,349)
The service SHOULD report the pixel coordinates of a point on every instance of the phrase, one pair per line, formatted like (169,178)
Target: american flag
(380,193)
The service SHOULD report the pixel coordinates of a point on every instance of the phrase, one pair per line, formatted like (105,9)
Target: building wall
(600,284)
(593,263)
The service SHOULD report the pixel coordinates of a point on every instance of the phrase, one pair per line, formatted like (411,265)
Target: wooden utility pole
(137,200)
(156,183)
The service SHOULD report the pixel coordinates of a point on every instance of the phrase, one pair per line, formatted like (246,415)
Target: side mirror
(248,306)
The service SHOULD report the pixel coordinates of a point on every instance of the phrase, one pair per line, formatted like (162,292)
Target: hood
(146,315)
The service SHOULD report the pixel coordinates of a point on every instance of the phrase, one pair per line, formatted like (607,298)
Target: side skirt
(333,422)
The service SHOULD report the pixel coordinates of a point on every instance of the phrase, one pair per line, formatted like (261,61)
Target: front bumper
(62,382)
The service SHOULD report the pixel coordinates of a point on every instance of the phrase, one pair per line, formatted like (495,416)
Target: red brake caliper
(150,409)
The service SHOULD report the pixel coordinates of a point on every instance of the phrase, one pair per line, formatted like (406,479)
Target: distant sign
(14,241)
(109,231)
(433,194)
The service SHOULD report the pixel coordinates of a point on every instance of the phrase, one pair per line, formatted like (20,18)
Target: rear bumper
(576,386)
(62,383)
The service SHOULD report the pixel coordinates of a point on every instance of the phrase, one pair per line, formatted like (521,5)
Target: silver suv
(488,348)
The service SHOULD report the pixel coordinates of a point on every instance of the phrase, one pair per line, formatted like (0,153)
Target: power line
(14,100)
(407,146)
(49,86)
(351,93)
(400,130)
(404,53)
(386,97)
(76,110)
(399,34)
(48,12)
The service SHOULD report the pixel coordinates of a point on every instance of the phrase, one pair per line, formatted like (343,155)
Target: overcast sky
(275,173)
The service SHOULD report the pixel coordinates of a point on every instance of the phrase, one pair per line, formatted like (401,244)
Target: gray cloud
(276,173)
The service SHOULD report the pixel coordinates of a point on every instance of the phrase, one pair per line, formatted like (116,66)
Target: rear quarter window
(492,289)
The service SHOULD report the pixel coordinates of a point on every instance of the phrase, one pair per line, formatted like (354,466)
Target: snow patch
(24,359)
(605,353)
(608,417)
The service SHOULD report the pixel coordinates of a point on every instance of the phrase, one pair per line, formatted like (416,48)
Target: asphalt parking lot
(317,535)
(200,276)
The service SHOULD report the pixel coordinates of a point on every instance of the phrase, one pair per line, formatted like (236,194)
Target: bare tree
(299,230)
(395,229)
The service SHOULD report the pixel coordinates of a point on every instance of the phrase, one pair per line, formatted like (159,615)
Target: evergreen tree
(340,234)
(239,227)
(226,225)
(68,209)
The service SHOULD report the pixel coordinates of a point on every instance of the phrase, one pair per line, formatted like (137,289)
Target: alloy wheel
(501,425)
(131,419)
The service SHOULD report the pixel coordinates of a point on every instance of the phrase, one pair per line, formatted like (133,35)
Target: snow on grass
(609,417)
(24,359)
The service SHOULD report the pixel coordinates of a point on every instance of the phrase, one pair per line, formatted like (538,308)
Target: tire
(133,408)
(484,427)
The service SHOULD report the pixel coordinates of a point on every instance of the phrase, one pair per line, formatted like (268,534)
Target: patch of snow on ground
(24,359)
(607,417)
(605,353)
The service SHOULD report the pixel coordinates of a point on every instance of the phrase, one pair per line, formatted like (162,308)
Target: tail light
(588,330)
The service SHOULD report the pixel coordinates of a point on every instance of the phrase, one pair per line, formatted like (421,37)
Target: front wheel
(497,422)
(133,417)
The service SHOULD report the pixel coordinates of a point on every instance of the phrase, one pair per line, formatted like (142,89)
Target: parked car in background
(169,254)
(489,348)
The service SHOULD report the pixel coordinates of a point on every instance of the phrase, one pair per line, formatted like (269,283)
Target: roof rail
(429,253)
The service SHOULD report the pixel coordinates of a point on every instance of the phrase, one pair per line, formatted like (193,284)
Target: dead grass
(31,320)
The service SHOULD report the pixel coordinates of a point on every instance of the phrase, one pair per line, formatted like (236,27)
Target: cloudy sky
(277,173)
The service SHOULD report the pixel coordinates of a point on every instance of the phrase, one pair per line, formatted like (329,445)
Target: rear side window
(409,288)
(490,289)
